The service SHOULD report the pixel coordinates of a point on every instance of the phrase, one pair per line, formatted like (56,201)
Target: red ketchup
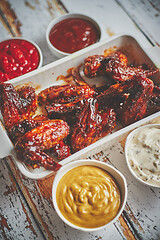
(73,34)
(17,57)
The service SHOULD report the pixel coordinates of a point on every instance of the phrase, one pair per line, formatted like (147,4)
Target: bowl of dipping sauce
(142,152)
(17,57)
(72,32)
(88,194)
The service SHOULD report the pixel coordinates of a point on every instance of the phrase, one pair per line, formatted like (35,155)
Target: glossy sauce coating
(88,196)
(17,57)
(73,34)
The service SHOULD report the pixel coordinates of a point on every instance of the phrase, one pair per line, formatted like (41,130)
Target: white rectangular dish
(47,75)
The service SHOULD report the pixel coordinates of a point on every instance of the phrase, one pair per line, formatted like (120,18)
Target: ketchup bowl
(72,32)
(18,56)
(89,195)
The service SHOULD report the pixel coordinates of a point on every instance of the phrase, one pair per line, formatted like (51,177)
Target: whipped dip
(144,154)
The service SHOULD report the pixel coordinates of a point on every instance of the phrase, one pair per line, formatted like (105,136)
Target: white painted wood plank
(16,221)
(147,16)
(4,34)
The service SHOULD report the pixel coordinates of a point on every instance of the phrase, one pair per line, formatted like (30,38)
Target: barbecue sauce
(73,34)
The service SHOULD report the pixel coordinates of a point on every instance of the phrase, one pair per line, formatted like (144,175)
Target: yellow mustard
(88,196)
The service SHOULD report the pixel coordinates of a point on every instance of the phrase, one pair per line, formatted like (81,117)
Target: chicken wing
(129,99)
(13,104)
(91,125)
(64,94)
(32,145)
(115,66)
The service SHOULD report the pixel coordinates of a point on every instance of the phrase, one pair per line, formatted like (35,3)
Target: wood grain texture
(9,18)
(146,15)
(16,220)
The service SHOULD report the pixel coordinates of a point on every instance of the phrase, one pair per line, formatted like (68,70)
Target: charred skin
(114,66)
(91,125)
(93,66)
(31,146)
(129,99)
(64,94)
(13,106)
(136,106)
(29,99)
(66,111)
(120,73)
(154,102)
(25,125)
(62,150)
(10,104)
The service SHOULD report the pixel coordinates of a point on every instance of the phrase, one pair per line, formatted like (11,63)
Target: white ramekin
(119,178)
(128,141)
(53,49)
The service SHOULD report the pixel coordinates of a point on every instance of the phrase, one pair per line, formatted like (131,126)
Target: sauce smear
(17,57)
(73,34)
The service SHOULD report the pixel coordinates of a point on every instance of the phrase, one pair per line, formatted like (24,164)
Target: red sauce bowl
(72,32)
(18,56)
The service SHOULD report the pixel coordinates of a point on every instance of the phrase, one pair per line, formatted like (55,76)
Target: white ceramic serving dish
(46,76)
(128,141)
(120,179)
(56,51)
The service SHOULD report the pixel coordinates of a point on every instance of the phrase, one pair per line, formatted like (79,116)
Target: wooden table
(26,210)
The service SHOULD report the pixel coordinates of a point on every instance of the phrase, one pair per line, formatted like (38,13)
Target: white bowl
(128,141)
(34,44)
(119,178)
(53,49)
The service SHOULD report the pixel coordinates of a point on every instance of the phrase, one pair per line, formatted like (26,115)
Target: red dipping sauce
(17,57)
(73,34)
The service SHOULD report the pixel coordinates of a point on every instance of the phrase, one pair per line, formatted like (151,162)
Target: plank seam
(19,189)
(7,23)
(130,16)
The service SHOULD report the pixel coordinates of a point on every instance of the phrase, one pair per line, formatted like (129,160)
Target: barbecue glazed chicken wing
(32,145)
(25,125)
(64,102)
(32,136)
(114,66)
(16,105)
(92,124)
(129,99)
(64,94)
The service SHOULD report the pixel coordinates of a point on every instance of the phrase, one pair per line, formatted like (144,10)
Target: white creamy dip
(144,154)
